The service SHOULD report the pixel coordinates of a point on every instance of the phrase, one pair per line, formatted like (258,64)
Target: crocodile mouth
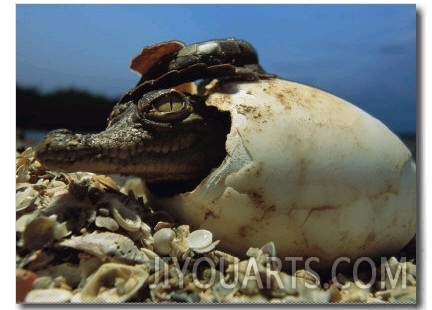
(181,155)
(113,152)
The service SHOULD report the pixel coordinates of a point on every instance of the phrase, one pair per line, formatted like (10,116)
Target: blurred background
(72,61)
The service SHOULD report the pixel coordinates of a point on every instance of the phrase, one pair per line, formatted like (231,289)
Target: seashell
(269,249)
(146,231)
(307,276)
(22,174)
(150,254)
(227,258)
(171,241)
(103,211)
(61,230)
(23,220)
(107,245)
(107,223)
(104,182)
(160,225)
(201,241)
(28,153)
(263,253)
(60,282)
(135,185)
(38,234)
(114,283)
(143,237)
(179,244)
(22,186)
(127,218)
(25,199)
(287,284)
(43,282)
(37,259)
(393,267)
(51,295)
(56,184)
(354,294)
(162,241)
(21,161)
(25,158)
(307,170)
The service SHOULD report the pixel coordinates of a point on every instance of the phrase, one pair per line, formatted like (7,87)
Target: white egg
(307,170)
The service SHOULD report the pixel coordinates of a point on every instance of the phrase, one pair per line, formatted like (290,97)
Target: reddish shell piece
(176,77)
(24,283)
(151,55)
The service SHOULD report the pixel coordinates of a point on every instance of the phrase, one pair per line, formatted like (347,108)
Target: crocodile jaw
(129,150)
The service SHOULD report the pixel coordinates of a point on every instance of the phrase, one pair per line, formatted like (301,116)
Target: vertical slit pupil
(167,104)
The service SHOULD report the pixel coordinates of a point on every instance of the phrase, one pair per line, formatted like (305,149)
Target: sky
(365,54)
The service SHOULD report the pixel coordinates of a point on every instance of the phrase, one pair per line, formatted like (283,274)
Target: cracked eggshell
(307,170)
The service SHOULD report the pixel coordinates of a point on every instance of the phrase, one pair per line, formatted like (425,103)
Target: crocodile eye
(168,103)
(166,106)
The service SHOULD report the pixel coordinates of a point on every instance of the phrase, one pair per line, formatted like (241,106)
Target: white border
(8,82)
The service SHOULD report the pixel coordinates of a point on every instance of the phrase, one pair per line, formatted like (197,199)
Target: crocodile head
(166,137)
(162,135)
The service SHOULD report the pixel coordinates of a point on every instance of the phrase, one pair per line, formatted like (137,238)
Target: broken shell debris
(81,238)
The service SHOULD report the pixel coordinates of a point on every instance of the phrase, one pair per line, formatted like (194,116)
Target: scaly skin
(180,144)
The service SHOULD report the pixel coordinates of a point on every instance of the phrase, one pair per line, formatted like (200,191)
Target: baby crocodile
(165,136)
